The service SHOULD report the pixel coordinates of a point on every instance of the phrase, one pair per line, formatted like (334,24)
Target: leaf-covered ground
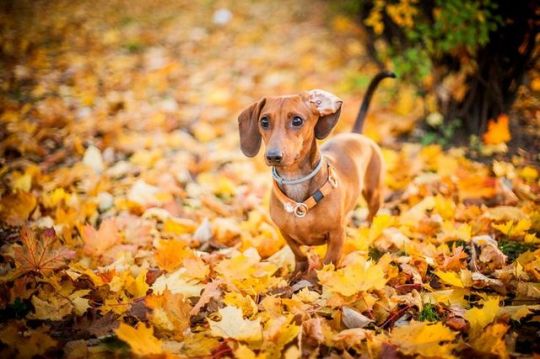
(132,223)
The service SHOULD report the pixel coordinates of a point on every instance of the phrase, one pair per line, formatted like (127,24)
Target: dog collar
(300,209)
(282,181)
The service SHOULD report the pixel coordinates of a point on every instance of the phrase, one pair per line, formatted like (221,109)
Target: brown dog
(314,191)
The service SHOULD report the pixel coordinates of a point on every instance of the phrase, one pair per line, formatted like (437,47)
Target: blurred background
(114,69)
(118,130)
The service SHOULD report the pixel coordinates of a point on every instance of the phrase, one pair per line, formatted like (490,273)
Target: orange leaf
(37,253)
(15,208)
(498,131)
(96,242)
(171,253)
(170,312)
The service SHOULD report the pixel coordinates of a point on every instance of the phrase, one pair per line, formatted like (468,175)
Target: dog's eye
(265,122)
(297,121)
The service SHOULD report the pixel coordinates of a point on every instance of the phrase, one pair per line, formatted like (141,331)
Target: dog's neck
(301,191)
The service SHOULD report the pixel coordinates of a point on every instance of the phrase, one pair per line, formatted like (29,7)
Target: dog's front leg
(301,260)
(335,244)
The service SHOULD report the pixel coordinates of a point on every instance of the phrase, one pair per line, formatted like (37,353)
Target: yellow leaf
(498,131)
(428,340)
(29,345)
(15,208)
(528,173)
(233,325)
(53,198)
(445,207)
(141,339)
(516,312)
(513,229)
(243,352)
(450,278)
(277,333)
(491,341)
(478,318)
(22,182)
(248,273)
(380,223)
(179,226)
(53,308)
(178,282)
(448,296)
(80,304)
(248,306)
(138,286)
(356,277)
(199,345)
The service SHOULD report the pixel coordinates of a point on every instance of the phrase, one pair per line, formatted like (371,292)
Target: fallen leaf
(498,131)
(15,208)
(52,308)
(491,341)
(38,252)
(212,290)
(141,339)
(479,318)
(170,312)
(429,340)
(233,325)
(352,319)
(352,279)
(97,242)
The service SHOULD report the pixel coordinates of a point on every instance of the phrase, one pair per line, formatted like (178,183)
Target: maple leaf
(355,277)
(141,339)
(514,229)
(451,278)
(31,344)
(498,131)
(429,340)
(479,318)
(52,308)
(178,282)
(212,290)
(491,341)
(170,312)
(38,253)
(171,253)
(233,325)
(15,208)
(454,262)
(96,242)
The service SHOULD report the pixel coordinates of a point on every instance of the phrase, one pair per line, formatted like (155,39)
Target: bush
(471,55)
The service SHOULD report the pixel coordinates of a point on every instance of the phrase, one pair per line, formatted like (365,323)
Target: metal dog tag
(289,208)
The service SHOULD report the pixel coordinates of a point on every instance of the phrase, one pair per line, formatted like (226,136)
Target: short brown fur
(357,160)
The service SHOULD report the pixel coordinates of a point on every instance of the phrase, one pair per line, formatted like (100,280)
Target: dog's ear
(328,106)
(248,125)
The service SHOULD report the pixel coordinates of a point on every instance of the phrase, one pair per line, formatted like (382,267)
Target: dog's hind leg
(373,185)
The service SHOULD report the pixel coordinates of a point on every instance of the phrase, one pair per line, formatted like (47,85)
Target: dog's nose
(274,156)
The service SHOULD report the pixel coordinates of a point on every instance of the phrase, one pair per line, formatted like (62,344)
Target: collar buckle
(300,210)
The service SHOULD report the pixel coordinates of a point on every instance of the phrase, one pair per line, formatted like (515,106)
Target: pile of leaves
(131,223)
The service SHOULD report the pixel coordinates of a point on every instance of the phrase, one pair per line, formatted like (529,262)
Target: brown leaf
(38,254)
(15,208)
(211,290)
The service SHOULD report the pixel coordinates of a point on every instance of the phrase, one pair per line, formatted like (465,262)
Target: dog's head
(288,125)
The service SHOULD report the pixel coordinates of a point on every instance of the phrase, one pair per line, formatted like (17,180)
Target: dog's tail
(359,123)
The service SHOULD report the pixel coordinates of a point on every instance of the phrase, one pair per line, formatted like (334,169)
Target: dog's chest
(296,192)
(309,230)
